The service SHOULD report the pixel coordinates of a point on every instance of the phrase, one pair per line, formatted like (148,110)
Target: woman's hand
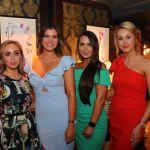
(110,94)
(88,131)
(24,129)
(137,135)
(70,133)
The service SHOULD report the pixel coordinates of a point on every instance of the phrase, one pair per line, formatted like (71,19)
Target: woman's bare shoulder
(146,62)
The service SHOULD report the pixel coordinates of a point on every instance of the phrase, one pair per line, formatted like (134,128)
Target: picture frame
(22,30)
(102,34)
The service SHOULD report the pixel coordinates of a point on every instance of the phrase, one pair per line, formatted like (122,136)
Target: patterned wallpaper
(21,8)
(75,19)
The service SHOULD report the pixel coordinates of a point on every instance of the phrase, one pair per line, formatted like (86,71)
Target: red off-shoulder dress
(128,104)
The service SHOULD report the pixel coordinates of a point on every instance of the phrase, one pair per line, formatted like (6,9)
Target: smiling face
(125,40)
(50,40)
(85,47)
(11,56)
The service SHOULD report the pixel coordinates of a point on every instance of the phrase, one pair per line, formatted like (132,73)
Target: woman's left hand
(88,131)
(137,135)
(70,133)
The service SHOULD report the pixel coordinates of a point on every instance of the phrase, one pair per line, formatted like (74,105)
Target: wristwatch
(92,124)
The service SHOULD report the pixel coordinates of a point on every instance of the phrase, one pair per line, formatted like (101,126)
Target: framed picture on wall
(102,34)
(22,30)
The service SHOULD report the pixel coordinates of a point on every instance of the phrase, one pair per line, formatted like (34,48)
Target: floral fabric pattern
(14,112)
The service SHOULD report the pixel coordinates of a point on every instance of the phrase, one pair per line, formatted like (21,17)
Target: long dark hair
(58,49)
(87,78)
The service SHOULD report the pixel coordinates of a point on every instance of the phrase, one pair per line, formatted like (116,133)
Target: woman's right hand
(110,94)
(70,133)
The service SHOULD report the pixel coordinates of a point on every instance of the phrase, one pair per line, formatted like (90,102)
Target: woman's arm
(98,107)
(32,106)
(1,90)
(140,128)
(70,91)
(110,93)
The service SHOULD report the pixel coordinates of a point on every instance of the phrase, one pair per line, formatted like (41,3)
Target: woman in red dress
(129,110)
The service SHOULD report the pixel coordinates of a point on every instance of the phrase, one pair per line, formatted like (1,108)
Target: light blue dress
(52,105)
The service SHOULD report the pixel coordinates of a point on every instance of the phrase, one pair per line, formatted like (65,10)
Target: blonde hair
(22,62)
(136,32)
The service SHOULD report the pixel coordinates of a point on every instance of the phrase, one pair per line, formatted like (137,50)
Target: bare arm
(70,90)
(98,107)
(32,106)
(1,90)
(146,115)
(138,131)
(110,93)
(99,103)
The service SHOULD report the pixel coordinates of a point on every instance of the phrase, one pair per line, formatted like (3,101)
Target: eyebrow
(50,35)
(8,51)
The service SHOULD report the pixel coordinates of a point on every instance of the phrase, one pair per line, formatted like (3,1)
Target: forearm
(98,107)
(146,115)
(72,108)
(110,93)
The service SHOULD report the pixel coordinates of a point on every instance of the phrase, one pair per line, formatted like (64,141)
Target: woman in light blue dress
(51,76)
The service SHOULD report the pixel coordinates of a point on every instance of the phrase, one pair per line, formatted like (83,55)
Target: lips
(13,63)
(125,47)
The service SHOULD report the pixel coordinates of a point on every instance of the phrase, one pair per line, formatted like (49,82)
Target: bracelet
(71,121)
(142,125)
(92,124)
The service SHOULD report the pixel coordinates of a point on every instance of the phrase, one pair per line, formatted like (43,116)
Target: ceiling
(137,11)
(121,8)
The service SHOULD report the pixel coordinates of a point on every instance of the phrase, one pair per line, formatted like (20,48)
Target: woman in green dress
(92,80)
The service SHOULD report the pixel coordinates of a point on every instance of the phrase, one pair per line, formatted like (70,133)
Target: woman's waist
(49,90)
(82,114)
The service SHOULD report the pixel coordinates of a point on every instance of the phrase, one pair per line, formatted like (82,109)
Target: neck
(85,62)
(131,55)
(48,54)
(12,73)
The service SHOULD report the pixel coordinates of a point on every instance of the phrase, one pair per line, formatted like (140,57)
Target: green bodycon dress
(84,113)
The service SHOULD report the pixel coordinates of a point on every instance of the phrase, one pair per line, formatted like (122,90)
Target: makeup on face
(125,39)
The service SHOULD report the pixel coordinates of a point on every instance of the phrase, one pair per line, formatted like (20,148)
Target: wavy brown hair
(58,49)
(22,61)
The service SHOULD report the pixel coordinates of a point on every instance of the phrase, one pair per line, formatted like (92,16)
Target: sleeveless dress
(128,104)
(84,113)
(51,108)
(14,112)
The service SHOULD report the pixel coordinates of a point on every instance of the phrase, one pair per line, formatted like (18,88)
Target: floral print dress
(15,101)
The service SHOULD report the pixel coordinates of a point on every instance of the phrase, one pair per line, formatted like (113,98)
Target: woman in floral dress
(17,125)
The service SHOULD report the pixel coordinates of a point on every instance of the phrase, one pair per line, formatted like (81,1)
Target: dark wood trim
(43,12)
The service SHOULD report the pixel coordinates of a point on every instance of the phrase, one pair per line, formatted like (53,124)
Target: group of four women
(54,78)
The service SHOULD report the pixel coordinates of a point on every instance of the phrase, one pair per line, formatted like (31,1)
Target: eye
(54,36)
(81,44)
(120,38)
(6,54)
(128,37)
(17,53)
(89,44)
(48,36)
(45,36)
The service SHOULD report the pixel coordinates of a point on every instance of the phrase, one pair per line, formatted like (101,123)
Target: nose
(12,56)
(124,41)
(85,46)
